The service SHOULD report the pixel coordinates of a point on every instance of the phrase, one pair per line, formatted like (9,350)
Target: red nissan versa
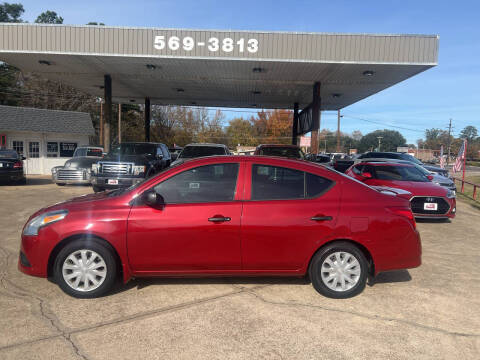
(428,200)
(225,216)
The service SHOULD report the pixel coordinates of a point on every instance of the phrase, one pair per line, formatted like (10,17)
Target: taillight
(405,212)
(18,165)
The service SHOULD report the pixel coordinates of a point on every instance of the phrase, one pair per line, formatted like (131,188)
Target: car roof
(386,163)
(278,145)
(206,144)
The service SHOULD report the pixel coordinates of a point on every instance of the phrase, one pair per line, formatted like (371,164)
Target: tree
(470,133)
(357,135)
(95,23)
(8,82)
(49,17)
(390,140)
(435,138)
(240,132)
(11,12)
(273,126)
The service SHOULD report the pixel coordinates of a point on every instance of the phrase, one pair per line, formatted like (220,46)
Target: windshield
(8,154)
(133,149)
(199,151)
(411,159)
(399,173)
(88,152)
(289,152)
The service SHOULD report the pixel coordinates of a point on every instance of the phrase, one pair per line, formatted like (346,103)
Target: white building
(45,137)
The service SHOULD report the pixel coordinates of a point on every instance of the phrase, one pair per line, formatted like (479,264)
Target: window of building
(67,149)
(210,183)
(18,147)
(52,149)
(278,183)
(34,149)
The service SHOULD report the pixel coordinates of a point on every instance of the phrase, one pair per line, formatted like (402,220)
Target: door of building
(33,163)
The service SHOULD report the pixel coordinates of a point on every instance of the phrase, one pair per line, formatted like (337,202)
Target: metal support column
(119,123)
(315,118)
(295,124)
(147,119)
(107,112)
(338,131)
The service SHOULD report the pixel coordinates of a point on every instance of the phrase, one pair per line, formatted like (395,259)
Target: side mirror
(430,177)
(366,175)
(151,198)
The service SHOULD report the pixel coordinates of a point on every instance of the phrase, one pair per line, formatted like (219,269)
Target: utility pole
(338,130)
(448,140)
(379,142)
(119,123)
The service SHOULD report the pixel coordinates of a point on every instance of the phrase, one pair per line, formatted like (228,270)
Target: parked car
(191,151)
(427,200)
(11,167)
(318,158)
(128,164)
(295,218)
(78,169)
(175,151)
(369,156)
(282,150)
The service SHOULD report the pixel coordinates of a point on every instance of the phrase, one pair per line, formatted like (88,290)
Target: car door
(197,230)
(288,214)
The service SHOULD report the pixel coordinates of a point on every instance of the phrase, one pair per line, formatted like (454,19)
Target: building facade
(46,138)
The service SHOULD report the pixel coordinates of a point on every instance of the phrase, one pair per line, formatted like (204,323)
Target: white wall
(43,164)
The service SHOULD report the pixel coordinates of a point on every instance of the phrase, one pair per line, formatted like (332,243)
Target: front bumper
(450,214)
(122,182)
(72,176)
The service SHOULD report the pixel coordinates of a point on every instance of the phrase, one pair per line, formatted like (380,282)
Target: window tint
(199,151)
(289,152)
(357,169)
(316,185)
(276,183)
(210,183)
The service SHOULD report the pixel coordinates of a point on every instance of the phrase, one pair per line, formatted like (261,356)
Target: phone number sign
(212,44)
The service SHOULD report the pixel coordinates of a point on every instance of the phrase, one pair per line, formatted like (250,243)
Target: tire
(102,260)
(323,267)
(22,181)
(96,188)
(60,184)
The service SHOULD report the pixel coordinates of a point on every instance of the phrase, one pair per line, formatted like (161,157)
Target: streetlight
(379,141)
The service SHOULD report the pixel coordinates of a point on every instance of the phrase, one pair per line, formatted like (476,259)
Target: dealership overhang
(241,69)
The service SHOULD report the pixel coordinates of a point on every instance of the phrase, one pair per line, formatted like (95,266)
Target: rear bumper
(11,175)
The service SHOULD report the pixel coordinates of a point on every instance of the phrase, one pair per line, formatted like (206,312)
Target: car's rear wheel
(61,184)
(339,270)
(85,268)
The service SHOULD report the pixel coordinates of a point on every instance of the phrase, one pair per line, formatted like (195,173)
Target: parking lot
(428,312)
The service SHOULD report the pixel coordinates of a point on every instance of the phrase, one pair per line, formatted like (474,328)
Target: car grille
(64,174)
(417,204)
(115,168)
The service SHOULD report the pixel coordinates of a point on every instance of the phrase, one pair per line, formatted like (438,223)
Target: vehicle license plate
(430,206)
(112,182)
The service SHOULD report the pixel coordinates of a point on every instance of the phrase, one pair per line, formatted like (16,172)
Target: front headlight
(451,194)
(43,220)
(137,170)
(94,168)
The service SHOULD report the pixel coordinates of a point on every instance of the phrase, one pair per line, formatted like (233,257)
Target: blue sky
(450,90)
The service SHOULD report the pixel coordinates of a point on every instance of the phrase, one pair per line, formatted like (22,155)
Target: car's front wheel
(85,268)
(97,189)
(339,270)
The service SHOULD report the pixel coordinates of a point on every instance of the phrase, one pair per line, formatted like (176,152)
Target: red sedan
(427,199)
(225,216)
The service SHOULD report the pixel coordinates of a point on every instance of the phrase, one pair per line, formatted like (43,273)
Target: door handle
(219,219)
(321,218)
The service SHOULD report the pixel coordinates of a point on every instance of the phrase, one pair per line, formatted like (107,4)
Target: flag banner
(442,158)
(458,166)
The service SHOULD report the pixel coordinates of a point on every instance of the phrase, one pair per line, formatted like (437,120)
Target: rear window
(288,152)
(199,151)
(8,154)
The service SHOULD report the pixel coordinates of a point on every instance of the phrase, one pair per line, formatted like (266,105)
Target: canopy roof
(218,68)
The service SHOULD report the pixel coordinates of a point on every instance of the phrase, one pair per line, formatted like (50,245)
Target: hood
(417,188)
(437,178)
(136,159)
(81,162)
(393,191)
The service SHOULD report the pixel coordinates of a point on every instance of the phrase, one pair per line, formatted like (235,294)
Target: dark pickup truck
(128,164)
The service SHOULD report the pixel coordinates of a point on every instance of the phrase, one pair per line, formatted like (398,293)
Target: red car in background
(428,200)
(225,216)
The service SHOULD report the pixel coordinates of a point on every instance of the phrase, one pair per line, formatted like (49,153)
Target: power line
(384,124)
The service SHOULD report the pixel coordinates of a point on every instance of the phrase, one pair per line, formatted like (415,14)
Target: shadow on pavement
(391,277)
